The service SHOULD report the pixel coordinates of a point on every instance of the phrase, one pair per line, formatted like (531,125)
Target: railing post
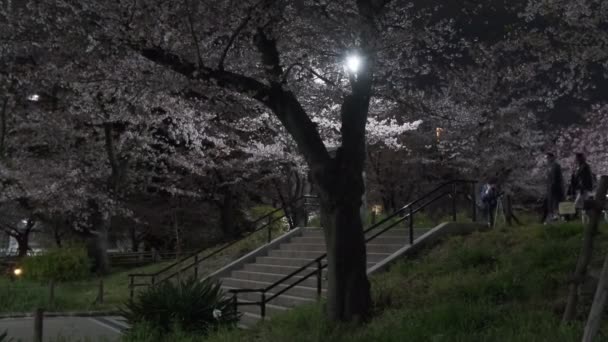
(196,266)
(131,287)
(153,280)
(411,226)
(38,325)
(263,305)
(269,233)
(454,201)
(235,302)
(474,204)
(319,279)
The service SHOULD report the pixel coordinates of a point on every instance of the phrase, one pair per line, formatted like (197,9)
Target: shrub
(58,264)
(189,306)
(4,337)
(262,210)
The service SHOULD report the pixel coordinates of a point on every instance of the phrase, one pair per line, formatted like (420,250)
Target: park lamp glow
(353,63)
(17,272)
(33,97)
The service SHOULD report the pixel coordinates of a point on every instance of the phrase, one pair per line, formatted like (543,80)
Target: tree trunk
(597,308)
(23,244)
(227,215)
(595,213)
(3,129)
(134,240)
(348,288)
(348,296)
(98,243)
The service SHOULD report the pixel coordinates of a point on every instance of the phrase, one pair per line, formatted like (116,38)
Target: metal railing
(142,258)
(401,215)
(193,260)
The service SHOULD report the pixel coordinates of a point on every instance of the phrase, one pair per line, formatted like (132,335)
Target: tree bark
(134,239)
(3,127)
(23,244)
(595,213)
(348,296)
(98,241)
(227,215)
(597,308)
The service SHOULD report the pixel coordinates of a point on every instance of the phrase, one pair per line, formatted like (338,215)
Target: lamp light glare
(34,97)
(17,272)
(353,63)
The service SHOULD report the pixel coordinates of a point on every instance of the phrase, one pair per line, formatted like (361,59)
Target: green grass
(25,295)
(508,284)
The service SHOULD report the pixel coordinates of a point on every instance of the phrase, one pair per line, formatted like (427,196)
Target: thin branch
(194,37)
(297,64)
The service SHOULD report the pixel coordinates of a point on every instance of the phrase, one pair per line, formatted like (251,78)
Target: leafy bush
(58,264)
(262,210)
(4,337)
(189,306)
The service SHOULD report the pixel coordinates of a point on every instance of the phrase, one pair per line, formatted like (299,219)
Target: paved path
(67,329)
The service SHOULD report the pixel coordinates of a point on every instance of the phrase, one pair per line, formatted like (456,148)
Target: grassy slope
(503,285)
(25,296)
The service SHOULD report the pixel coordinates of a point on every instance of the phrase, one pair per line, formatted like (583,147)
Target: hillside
(504,285)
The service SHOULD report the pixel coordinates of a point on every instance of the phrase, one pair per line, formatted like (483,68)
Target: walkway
(67,329)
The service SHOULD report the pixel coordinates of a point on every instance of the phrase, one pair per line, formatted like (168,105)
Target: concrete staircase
(285,257)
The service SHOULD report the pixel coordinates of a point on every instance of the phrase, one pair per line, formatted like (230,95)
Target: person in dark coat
(554,187)
(489,200)
(581,182)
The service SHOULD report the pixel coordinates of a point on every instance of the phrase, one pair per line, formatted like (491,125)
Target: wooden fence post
(99,299)
(595,213)
(51,292)
(597,308)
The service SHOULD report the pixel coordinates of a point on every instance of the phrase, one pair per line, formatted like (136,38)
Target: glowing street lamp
(17,272)
(353,63)
(33,97)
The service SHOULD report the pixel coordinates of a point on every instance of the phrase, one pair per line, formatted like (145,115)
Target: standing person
(554,187)
(581,183)
(489,200)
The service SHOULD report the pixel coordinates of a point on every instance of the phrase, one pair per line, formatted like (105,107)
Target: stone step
(371,256)
(295,254)
(393,232)
(291,262)
(294,262)
(281,300)
(296,291)
(370,247)
(271,309)
(379,240)
(276,269)
(272,278)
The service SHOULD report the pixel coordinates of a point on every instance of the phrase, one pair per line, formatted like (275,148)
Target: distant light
(34,97)
(17,272)
(353,63)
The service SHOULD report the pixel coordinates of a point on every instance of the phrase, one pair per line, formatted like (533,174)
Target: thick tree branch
(225,79)
(3,126)
(199,59)
(236,33)
(270,55)
(288,109)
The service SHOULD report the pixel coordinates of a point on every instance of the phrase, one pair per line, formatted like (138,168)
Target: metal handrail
(195,256)
(405,213)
